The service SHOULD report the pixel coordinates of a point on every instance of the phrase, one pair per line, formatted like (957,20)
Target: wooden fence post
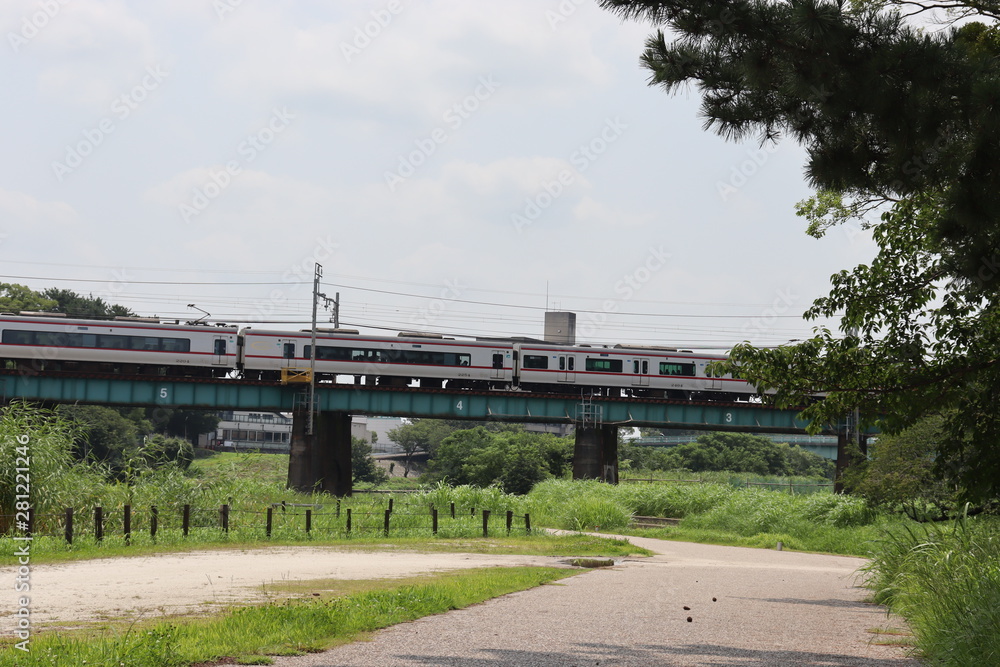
(154,521)
(453,510)
(434,520)
(224,516)
(98,523)
(270,519)
(390,504)
(127,524)
(486,523)
(527,523)
(69,525)
(348,520)
(186,520)
(510,520)
(309,520)
(388,513)
(338,508)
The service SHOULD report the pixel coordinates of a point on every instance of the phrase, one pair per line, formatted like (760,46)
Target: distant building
(271,432)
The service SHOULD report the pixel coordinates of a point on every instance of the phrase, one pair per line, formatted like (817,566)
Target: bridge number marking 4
(729,417)
(458,406)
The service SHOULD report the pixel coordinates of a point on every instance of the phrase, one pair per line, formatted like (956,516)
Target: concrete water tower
(560,328)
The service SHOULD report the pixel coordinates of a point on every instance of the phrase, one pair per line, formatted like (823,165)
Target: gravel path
(746,607)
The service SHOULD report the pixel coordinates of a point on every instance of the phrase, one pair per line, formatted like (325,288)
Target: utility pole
(336,312)
(312,352)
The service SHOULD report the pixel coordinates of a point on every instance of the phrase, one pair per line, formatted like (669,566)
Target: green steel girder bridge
(320,449)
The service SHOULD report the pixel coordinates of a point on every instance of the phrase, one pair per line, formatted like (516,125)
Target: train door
(496,371)
(640,372)
(713,382)
(567,368)
(219,351)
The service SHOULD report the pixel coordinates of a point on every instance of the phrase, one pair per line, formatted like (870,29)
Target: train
(33,342)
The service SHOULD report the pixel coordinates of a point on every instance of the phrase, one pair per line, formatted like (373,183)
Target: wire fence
(277,520)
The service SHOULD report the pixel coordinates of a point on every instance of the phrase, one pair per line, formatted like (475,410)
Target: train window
(498,361)
(17,338)
(572,363)
(671,368)
(112,342)
(175,344)
(220,346)
(635,366)
(604,365)
(562,363)
(536,361)
(645,367)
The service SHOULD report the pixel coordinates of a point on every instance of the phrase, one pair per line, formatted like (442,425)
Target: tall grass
(715,513)
(945,580)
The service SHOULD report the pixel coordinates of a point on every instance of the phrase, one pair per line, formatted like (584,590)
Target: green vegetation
(945,580)
(732,452)
(291,627)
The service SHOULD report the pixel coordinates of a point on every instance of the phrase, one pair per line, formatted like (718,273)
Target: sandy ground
(70,594)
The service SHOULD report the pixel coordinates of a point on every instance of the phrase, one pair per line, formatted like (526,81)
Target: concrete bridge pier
(595,455)
(321,461)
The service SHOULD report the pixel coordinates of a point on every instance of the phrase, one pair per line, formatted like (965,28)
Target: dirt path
(689,605)
(70,594)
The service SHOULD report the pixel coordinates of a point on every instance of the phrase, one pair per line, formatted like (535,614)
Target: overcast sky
(454,166)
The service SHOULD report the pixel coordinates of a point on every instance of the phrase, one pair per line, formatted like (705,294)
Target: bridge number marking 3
(458,406)
(163,392)
(729,417)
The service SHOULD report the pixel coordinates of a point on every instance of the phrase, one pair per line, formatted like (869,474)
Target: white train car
(431,360)
(129,346)
(638,371)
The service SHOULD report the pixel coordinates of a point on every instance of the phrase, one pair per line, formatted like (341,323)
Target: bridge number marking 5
(729,417)
(163,392)
(458,406)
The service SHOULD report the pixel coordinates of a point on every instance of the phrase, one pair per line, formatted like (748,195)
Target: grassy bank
(945,580)
(308,623)
(716,513)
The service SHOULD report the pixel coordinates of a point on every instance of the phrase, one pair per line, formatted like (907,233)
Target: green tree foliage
(363,467)
(514,460)
(731,452)
(159,450)
(15,298)
(423,435)
(899,473)
(103,434)
(77,305)
(898,123)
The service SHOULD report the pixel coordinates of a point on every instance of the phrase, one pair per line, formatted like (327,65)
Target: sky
(455,167)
